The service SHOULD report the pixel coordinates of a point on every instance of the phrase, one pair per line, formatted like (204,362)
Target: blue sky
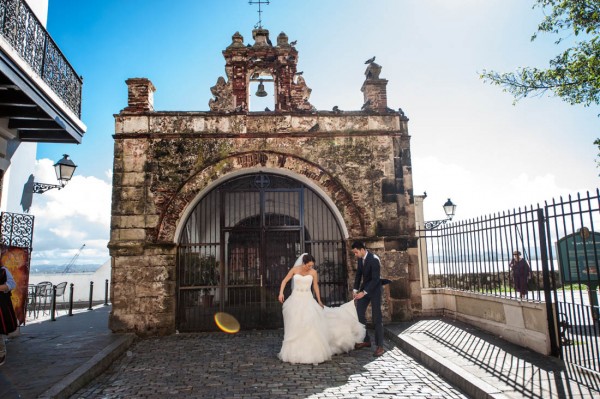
(469,142)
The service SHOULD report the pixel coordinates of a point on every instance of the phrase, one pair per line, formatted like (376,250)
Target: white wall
(15,196)
(521,322)
(18,164)
(40,9)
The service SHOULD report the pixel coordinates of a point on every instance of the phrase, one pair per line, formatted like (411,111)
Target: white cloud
(68,218)
(480,191)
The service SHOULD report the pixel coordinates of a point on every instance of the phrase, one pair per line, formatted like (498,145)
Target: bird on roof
(299,73)
(269,42)
(267,109)
(370,60)
(336,110)
(293,43)
(366,105)
(314,128)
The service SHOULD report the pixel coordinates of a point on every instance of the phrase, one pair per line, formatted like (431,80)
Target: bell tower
(260,62)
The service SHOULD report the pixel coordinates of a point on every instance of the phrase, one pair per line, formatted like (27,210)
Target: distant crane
(73,259)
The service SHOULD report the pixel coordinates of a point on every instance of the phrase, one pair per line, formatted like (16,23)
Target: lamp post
(449,209)
(64,169)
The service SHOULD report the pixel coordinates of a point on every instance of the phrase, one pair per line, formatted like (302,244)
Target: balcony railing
(21,28)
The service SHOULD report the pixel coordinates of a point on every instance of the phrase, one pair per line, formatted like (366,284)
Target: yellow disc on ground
(227,322)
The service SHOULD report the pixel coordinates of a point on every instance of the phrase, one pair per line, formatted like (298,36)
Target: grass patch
(577,286)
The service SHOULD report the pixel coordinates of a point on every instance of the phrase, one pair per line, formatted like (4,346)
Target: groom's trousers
(376,317)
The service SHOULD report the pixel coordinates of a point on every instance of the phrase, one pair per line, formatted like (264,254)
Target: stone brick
(132,234)
(134,124)
(128,222)
(131,193)
(133,179)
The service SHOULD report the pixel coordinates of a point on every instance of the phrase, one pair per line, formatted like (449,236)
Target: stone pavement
(79,357)
(486,366)
(55,358)
(245,365)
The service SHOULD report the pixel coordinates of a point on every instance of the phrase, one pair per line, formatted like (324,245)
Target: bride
(312,331)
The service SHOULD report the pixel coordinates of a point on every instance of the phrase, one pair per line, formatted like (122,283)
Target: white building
(40,98)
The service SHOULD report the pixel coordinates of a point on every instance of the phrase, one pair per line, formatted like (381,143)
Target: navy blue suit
(368,279)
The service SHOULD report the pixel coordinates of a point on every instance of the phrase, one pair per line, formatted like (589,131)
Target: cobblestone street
(245,365)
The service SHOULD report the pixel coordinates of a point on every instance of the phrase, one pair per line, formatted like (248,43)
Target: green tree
(574,74)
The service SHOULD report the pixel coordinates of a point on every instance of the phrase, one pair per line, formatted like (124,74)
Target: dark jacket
(369,272)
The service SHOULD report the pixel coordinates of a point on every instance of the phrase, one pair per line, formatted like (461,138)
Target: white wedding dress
(313,334)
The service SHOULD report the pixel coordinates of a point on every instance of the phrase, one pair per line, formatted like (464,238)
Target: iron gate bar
(273,214)
(554,346)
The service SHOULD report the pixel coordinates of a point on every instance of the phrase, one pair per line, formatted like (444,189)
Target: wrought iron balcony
(23,31)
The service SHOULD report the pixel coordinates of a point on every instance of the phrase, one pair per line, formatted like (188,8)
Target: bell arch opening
(238,243)
(261,96)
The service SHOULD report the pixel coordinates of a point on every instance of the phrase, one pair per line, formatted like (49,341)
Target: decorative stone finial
(373,71)
(223,99)
(282,40)
(261,38)
(237,40)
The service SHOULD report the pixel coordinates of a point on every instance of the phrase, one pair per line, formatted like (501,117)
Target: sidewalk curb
(90,369)
(461,378)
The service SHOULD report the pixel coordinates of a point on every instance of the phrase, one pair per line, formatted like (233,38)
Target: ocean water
(81,282)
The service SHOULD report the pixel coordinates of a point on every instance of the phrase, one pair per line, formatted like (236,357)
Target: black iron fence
(23,31)
(16,230)
(559,243)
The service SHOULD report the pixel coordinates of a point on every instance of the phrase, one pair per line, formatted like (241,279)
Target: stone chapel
(210,209)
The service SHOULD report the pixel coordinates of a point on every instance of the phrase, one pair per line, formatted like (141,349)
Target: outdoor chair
(60,295)
(43,296)
(31,299)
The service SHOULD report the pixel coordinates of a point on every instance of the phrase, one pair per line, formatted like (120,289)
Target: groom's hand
(359,295)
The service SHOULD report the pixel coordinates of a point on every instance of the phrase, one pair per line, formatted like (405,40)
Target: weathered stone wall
(163,161)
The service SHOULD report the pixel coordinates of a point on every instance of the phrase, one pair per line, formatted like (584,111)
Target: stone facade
(164,160)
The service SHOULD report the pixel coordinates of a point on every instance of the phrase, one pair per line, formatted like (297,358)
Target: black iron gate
(559,242)
(240,241)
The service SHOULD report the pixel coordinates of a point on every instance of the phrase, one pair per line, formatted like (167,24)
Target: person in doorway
(367,290)
(8,318)
(312,331)
(521,274)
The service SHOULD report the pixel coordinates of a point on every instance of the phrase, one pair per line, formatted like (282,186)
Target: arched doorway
(239,242)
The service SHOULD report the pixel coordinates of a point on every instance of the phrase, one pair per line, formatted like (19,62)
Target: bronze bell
(261,90)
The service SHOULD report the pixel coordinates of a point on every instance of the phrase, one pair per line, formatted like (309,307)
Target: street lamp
(449,209)
(64,171)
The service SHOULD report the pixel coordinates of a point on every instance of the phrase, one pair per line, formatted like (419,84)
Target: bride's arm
(284,282)
(316,287)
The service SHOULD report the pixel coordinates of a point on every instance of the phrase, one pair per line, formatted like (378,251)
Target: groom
(368,292)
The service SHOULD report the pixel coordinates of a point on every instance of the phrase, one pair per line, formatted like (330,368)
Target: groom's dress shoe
(378,352)
(362,345)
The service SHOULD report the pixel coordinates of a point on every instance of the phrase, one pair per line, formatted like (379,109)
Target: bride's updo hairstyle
(308,258)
